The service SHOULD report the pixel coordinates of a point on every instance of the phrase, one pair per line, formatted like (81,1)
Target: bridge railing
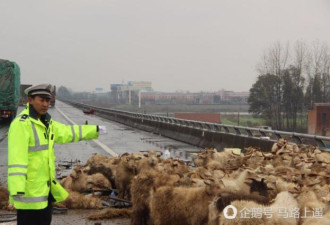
(300,138)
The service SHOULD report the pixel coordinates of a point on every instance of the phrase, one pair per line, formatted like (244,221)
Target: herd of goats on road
(288,185)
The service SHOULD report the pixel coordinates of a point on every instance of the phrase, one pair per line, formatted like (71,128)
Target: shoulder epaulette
(23,117)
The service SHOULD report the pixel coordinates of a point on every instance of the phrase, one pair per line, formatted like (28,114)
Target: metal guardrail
(251,132)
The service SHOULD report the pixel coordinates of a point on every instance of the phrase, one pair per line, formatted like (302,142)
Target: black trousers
(35,217)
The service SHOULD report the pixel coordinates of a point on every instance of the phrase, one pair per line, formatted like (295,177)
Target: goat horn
(309,161)
(296,191)
(246,167)
(231,168)
(270,157)
(224,174)
(279,151)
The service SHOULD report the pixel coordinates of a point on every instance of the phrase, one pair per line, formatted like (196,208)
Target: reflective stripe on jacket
(31,159)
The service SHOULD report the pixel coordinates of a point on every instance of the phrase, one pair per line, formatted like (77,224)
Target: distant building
(167,98)
(231,95)
(319,119)
(128,93)
(193,98)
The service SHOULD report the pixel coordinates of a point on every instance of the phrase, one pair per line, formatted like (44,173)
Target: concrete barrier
(200,137)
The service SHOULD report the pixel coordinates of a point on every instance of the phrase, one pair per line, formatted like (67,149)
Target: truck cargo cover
(9,85)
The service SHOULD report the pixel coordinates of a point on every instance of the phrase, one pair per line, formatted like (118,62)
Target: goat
(240,184)
(126,170)
(141,186)
(308,202)
(173,166)
(79,201)
(225,198)
(80,181)
(4,198)
(154,157)
(110,214)
(96,159)
(182,205)
(282,200)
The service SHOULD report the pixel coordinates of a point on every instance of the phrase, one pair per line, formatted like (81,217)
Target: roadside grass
(229,118)
(161,109)
(243,120)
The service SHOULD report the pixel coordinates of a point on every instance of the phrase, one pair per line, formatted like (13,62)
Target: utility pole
(239,110)
(129,96)
(238,119)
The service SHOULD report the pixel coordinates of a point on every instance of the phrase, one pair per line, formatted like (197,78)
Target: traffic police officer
(31,160)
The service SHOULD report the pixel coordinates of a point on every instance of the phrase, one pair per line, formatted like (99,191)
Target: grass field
(228,113)
(242,120)
(164,109)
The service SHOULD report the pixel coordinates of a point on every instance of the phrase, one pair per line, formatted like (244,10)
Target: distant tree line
(290,81)
(85,97)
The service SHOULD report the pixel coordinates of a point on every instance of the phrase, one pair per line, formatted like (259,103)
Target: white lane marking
(103,146)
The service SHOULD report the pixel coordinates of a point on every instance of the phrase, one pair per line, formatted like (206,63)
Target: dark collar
(44,119)
(32,112)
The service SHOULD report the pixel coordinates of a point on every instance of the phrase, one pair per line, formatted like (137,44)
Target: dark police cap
(43,90)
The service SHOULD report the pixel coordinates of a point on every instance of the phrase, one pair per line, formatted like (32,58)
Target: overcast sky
(196,45)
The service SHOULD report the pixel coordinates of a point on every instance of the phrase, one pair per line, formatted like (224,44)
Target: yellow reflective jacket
(31,158)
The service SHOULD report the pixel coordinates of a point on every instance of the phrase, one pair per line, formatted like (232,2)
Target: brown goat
(154,157)
(283,199)
(150,161)
(308,201)
(225,198)
(105,166)
(80,181)
(241,183)
(126,170)
(140,190)
(4,198)
(110,214)
(203,158)
(79,201)
(173,166)
(96,159)
(182,205)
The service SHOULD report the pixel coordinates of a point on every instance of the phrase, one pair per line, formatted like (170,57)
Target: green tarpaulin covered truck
(10,82)
(24,98)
